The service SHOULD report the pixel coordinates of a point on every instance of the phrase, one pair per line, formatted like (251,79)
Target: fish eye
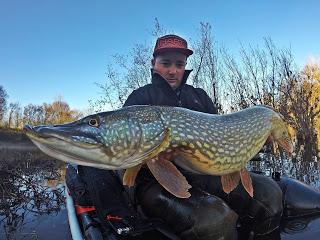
(94,122)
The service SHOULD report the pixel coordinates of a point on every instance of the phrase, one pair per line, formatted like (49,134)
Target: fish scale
(250,130)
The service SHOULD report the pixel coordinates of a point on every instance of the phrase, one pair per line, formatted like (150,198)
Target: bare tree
(158,30)
(33,114)
(255,77)
(17,115)
(14,114)
(3,102)
(205,65)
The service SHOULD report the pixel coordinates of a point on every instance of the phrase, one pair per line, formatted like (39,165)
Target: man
(204,215)
(169,78)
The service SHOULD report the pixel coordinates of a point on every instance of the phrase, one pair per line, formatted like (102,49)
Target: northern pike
(160,136)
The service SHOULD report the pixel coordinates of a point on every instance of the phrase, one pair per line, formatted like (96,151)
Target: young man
(204,215)
(168,83)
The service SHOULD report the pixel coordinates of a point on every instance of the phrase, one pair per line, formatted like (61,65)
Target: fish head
(103,140)
(280,133)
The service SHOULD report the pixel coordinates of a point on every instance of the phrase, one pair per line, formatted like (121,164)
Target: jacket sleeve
(207,102)
(137,97)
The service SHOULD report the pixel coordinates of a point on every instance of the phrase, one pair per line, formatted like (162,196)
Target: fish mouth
(50,134)
(67,157)
(64,149)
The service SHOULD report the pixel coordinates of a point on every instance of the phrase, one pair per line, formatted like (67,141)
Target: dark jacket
(160,93)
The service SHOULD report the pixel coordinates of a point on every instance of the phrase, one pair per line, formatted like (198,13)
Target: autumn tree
(300,105)
(312,71)
(59,112)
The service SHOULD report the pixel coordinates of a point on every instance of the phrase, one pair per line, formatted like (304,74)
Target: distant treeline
(12,115)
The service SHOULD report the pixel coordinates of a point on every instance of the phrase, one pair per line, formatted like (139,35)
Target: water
(301,229)
(32,201)
(307,172)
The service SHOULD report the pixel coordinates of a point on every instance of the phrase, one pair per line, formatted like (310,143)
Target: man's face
(171,66)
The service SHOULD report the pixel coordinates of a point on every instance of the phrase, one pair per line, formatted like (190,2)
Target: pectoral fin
(246,181)
(130,175)
(230,181)
(169,177)
(162,145)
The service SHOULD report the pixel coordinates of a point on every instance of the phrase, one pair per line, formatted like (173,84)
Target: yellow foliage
(59,112)
(312,73)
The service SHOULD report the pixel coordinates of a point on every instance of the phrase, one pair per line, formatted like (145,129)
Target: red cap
(171,42)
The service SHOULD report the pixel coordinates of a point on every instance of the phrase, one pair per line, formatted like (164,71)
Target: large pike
(198,142)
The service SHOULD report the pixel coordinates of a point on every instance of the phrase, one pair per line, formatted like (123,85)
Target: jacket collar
(157,79)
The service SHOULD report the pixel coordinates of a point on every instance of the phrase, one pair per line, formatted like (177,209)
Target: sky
(61,48)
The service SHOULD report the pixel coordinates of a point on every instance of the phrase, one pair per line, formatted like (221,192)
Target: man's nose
(173,69)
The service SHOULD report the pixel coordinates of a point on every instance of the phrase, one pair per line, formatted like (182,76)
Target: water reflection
(31,195)
(307,172)
(301,228)
(296,225)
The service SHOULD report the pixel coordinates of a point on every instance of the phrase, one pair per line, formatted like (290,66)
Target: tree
(301,112)
(14,115)
(256,78)
(204,63)
(312,71)
(3,103)
(59,112)
(33,114)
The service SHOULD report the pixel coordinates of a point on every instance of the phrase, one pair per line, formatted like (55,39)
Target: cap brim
(185,51)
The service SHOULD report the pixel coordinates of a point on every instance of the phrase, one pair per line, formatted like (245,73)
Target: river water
(32,201)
